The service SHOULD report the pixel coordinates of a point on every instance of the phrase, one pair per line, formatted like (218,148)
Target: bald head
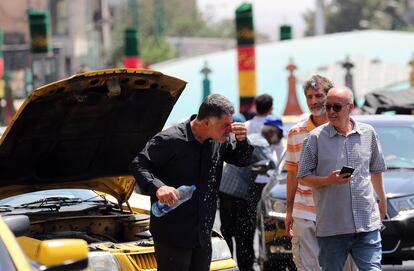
(339,104)
(342,94)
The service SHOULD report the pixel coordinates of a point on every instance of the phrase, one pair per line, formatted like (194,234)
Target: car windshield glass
(397,144)
(28,198)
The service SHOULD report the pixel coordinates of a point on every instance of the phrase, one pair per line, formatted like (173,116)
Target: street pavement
(409,265)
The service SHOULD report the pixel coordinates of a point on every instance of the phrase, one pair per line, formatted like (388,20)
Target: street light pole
(206,81)
(319,18)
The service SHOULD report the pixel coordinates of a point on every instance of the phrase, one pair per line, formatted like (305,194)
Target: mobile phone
(346,169)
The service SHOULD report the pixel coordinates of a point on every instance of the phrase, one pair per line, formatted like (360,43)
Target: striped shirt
(303,206)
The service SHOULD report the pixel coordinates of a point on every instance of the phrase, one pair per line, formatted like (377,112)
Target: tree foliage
(181,19)
(348,15)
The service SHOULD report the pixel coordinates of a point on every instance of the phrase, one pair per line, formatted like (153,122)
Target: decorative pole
(132,59)
(412,72)
(159,19)
(40,47)
(206,81)
(349,81)
(2,83)
(246,58)
(9,100)
(1,55)
(292,104)
(285,32)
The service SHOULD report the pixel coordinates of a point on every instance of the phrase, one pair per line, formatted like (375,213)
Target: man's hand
(289,224)
(382,205)
(335,178)
(378,184)
(239,130)
(167,195)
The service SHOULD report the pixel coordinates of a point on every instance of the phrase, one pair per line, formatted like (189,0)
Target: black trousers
(237,222)
(172,258)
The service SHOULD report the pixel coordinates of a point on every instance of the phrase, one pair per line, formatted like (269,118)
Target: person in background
(190,153)
(237,219)
(348,217)
(272,131)
(264,107)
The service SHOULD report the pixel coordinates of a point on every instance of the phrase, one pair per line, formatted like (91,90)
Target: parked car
(68,151)
(396,135)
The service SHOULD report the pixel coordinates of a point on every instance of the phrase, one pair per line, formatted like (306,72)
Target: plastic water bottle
(185,193)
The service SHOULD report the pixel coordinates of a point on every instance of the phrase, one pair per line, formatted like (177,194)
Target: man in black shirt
(190,153)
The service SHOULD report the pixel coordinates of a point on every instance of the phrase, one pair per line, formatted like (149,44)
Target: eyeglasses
(336,107)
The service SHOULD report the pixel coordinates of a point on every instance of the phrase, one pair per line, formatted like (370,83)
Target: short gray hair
(215,105)
(318,82)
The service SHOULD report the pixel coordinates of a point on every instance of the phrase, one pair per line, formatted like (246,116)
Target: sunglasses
(336,107)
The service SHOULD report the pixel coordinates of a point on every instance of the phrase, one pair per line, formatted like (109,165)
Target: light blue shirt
(351,207)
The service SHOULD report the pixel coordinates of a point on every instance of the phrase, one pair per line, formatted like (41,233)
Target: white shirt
(254,126)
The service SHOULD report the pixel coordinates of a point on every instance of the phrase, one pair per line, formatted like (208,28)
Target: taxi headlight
(275,207)
(103,261)
(220,250)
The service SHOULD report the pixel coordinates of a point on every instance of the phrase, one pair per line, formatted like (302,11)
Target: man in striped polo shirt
(300,215)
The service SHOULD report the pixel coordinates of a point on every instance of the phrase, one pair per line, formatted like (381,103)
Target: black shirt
(174,157)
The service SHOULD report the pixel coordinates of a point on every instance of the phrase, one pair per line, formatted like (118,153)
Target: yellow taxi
(67,152)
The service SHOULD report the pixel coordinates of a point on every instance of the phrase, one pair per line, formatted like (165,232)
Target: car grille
(145,261)
(137,261)
(132,256)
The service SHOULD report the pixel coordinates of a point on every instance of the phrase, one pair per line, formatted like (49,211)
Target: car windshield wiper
(5,208)
(96,199)
(51,202)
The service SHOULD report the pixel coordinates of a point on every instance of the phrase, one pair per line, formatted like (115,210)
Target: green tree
(348,15)
(182,19)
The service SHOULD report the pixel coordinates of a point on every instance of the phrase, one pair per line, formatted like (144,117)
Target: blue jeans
(365,249)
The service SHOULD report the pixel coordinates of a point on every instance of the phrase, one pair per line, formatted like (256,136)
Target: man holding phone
(348,217)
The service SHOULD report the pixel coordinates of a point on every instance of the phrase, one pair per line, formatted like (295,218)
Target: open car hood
(83,132)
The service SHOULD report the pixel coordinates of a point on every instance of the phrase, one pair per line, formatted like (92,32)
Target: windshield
(397,146)
(81,194)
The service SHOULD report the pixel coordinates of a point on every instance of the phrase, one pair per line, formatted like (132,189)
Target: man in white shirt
(264,107)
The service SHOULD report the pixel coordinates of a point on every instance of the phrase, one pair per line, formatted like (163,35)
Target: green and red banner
(131,49)
(246,58)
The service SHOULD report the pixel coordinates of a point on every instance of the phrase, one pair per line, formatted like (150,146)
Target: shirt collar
(310,125)
(187,131)
(333,132)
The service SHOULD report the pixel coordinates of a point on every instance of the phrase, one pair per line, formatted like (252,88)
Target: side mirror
(58,254)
